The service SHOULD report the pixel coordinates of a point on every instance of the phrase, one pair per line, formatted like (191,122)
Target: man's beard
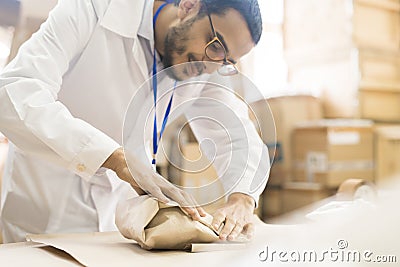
(175,44)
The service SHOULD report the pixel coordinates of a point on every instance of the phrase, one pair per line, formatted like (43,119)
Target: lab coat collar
(123,17)
(145,29)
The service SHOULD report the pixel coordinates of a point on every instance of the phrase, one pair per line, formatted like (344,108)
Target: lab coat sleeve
(30,114)
(230,141)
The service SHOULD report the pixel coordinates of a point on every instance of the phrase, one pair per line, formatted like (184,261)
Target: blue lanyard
(156,138)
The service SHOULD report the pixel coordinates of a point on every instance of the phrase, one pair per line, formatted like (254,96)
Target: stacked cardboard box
(387,156)
(379,94)
(350,52)
(381,105)
(325,153)
(335,46)
(287,111)
(330,151)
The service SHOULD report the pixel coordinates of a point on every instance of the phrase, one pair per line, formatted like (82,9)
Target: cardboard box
(311,24)
(339,75)
(330,151)
(287,111)
(380,103)
(387,152)
(379,88)
(334,46)
(297,194)
(382,32)
(378,67)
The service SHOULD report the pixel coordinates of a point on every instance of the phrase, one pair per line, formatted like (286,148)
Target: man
(65,95)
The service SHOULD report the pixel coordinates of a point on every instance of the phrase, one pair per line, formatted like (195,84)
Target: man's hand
(116,162)
(144,180)
(237,216)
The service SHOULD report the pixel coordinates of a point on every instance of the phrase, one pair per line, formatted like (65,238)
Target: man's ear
(188,7)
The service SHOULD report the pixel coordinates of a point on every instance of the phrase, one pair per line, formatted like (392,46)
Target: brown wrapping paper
(155,225)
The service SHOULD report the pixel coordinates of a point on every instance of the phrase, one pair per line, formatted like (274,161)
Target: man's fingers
(248,230)
(227,229)
(193,202)
(191,206)
(163,190)
(201,211)
(192,212)
(185,201)
(218,219)
(235,232)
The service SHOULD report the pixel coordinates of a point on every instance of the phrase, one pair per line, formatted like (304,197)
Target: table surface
(348,227)
(111,249)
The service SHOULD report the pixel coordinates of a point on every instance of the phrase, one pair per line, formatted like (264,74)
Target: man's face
(186,41)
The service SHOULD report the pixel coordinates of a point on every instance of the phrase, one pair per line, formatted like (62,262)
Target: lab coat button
(81,167)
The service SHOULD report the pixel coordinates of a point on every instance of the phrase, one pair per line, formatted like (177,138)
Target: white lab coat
(63,100)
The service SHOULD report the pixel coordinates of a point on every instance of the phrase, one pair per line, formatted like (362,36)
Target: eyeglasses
(216,51)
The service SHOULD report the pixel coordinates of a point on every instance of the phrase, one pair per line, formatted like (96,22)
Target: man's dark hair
(249,9)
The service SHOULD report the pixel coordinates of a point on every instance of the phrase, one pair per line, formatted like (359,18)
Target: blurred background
(330,72)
